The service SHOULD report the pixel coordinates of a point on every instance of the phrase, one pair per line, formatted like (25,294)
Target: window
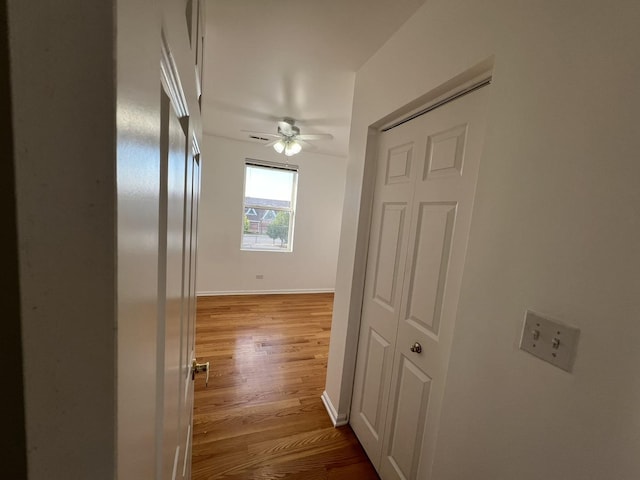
(269,206)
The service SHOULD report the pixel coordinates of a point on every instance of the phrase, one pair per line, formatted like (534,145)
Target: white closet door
(438,184)
(396,172)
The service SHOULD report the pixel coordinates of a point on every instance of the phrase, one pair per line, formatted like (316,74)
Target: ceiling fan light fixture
(279,146)
(288,140)
(292,148)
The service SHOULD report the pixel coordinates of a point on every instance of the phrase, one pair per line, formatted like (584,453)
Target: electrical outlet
(549,340)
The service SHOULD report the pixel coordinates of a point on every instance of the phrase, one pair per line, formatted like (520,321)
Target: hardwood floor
(261,416)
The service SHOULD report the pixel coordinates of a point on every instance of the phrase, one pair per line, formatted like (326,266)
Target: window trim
(250,162)
(266,164)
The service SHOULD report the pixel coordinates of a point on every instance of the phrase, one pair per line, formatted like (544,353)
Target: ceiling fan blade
(315,136)
(272,142)
(261,134)
(309,147)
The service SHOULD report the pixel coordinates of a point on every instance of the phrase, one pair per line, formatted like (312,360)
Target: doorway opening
(261,414)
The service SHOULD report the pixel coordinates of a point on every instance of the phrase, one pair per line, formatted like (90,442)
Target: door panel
(445,152)
(386,278)
(194,250)
(173,141)
(186,384)
(191,330)
(189,304)
(429,264)
(383,287)
(425,186)
(377,360)
(407,420)
(189,334)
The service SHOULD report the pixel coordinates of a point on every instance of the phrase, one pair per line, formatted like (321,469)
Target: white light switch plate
(549,332)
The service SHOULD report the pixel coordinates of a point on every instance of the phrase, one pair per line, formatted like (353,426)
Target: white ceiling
(269,59)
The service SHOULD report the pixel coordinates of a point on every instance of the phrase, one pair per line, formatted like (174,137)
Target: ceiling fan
(288,140)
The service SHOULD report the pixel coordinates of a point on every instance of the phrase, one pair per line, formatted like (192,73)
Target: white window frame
(249,162)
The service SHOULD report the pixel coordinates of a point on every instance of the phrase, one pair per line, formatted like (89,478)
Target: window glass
(269,207)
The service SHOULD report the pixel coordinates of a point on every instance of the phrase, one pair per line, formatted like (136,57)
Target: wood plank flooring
(261,416)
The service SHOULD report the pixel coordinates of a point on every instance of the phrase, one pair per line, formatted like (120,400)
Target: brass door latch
(200,367)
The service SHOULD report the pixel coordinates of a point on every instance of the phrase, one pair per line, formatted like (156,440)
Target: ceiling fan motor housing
(292,133)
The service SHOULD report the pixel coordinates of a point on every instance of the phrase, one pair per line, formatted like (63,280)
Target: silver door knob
(416,347)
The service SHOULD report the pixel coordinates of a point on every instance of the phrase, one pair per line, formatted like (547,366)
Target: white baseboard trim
(264,292)
(338,420)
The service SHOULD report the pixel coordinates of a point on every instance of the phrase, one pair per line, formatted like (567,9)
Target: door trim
(171,80)
(437,104)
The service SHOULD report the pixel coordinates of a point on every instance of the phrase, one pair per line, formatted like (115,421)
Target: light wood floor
(261,416)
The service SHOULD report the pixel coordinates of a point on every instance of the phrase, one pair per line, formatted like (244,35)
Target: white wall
(223,268)
(65,176)
(66,221)
(556,228)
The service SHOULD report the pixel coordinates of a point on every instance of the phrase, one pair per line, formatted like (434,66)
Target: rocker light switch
(550,340)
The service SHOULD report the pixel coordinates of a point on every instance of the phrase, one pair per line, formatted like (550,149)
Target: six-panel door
(427,170)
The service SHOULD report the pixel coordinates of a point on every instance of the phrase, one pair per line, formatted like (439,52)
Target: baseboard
(338,420)
(264,292)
